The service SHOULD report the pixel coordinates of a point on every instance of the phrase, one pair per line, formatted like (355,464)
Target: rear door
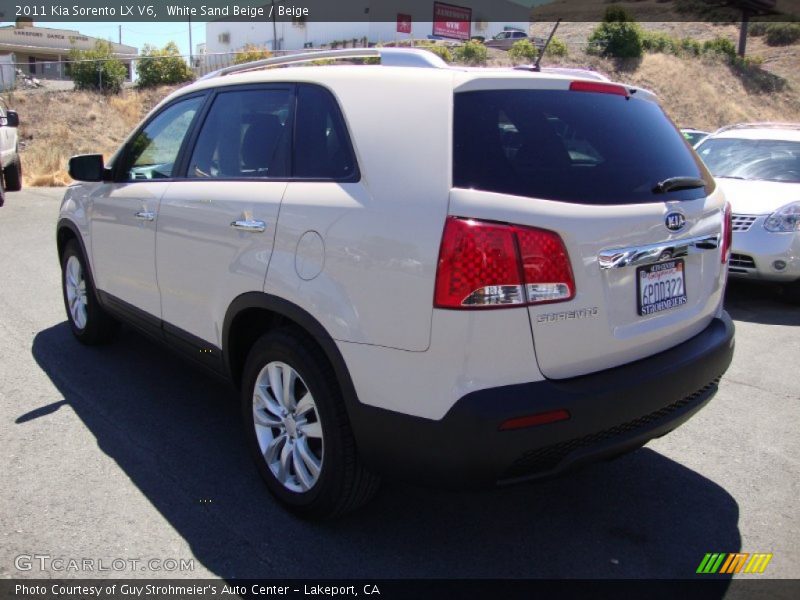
(217,223)
(586,164)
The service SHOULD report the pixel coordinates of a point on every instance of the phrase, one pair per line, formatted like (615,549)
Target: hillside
(57,125)
(700,92)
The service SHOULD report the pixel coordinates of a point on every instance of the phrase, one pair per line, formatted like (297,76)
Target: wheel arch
(251,314)
(67,230)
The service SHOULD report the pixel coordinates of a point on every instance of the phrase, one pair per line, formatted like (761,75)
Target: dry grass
(57,125)
(699,92)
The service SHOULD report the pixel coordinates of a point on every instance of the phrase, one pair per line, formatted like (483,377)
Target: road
(125,452)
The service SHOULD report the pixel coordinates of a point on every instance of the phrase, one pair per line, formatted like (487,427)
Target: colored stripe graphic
(731,563)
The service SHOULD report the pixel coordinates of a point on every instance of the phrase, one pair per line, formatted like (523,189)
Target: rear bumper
(611,412)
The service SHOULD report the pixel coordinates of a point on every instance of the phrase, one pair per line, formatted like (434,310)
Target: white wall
(7,72)
(292,37)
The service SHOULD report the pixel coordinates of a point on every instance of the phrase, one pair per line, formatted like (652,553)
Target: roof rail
(390,57)
(759,125)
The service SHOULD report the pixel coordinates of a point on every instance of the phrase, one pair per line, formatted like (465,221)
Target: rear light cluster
(493,265)
(727,232)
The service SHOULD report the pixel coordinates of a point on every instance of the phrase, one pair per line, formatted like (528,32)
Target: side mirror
(87,167)
(12,118)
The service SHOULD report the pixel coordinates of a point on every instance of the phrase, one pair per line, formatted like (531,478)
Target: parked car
(693,136)
(9,151)
(505,39)
(537,286)
(758,166)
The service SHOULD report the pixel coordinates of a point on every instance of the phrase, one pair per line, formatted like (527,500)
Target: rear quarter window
(579,147)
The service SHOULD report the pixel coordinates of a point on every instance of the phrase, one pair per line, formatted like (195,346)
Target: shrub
(659,42)
(557,47)
(620,39)
(97,69)
(523,51)
(720,46)
(442,52)
(162,66)
(691,46)
(782,34)
(617,14)
(250,53)
(471,53)
(757,29)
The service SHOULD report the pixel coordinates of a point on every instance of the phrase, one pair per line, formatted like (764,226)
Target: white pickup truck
(9,151)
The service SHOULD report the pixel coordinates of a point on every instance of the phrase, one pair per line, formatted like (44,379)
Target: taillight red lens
(546,268)
(478,266)
(598,87)
(727,232)
(491,265)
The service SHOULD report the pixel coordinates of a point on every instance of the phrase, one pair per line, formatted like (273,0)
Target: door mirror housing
(88,167)
(12,119)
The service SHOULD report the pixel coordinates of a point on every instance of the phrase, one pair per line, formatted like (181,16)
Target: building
(42,52)
(425,19)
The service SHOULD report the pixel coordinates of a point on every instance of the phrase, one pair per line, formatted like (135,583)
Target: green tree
(162,66)
(618,35)
(557,47)
(471,53)
(250,53)
(523,51)
(97,69)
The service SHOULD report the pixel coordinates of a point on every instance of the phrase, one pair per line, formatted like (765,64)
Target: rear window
(587,148)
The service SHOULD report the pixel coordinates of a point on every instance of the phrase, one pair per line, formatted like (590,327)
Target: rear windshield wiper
(678,183)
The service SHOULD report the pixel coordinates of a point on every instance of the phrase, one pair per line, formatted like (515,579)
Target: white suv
(758,167)
(456,276)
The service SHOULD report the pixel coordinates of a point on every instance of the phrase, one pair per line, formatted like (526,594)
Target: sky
(139,34)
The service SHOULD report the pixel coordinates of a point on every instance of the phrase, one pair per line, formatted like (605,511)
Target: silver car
(758,167)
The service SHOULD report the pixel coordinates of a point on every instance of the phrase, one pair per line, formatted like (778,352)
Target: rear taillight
(486,265)
(727,232)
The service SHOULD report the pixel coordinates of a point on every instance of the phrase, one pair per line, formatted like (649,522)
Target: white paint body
(375,247)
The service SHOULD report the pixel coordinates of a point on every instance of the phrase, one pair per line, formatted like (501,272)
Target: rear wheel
(298,431)
(12,175)
(89,322)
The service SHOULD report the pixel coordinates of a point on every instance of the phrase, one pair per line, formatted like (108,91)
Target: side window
(247,133)
(152,153)
(322,147)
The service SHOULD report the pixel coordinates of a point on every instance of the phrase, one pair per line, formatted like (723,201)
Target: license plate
(660,287)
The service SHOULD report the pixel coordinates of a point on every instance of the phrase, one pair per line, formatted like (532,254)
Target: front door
(125,212)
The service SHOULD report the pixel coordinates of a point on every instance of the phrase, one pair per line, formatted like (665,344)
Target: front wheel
(12,175)
(89,322)
(298,431)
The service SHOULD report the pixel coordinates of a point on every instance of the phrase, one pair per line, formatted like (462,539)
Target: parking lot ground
(126,452)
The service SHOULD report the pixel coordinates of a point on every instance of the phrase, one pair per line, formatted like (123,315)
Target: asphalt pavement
(127,453)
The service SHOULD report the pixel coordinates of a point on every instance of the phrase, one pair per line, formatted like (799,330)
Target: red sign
(451,21)
(403,23)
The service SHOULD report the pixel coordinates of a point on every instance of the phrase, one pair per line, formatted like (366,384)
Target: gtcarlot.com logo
(46,562)
(732,563)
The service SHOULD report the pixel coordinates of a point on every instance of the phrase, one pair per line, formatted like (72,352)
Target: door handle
(145,215)
(251,225)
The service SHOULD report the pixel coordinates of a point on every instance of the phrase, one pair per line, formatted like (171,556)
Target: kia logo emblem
(675,221)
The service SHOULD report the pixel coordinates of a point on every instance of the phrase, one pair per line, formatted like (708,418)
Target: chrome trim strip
(619,258)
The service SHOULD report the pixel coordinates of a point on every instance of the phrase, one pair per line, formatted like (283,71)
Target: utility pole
(120,35)
(191,57)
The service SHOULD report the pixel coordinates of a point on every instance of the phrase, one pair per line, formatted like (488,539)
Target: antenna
(537,66)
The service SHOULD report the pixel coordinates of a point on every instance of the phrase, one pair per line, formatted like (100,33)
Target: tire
(2,194)
(12,175)
(307,455)
(89,322)
(791,292)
